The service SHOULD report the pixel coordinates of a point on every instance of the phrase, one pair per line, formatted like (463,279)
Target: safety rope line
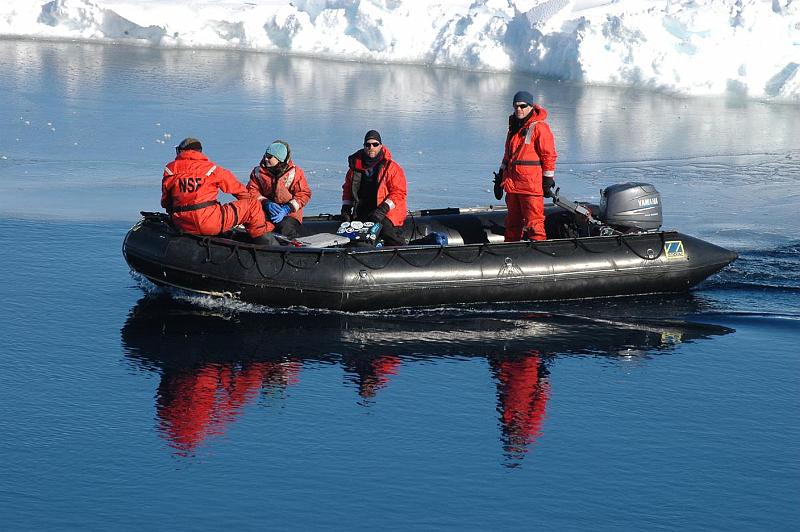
(236,250)
(239,258)
(286,255)
(576,245)
(396,252)
(582,245)
(438,254)
(489,250)
(532,244)
(455,258)
(206,242)
(622,239)
(261,272)
(413,225)
(388,262)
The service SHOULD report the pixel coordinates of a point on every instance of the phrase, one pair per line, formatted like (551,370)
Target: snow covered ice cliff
(748,47)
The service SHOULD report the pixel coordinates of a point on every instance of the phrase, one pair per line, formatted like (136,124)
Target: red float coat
(189,190)
(291,187)
(392,188)
(530,153)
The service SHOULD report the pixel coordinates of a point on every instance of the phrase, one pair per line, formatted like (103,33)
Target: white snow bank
(751,47)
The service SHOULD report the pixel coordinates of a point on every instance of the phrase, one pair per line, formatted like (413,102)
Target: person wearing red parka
(375,189)
(527,172)
(282,188)
(189,190)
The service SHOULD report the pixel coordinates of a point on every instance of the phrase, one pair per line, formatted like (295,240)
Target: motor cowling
(631,207)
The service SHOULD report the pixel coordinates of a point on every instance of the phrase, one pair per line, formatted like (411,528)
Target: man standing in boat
(375,190)
(189,191)
(527,171)
(282,188)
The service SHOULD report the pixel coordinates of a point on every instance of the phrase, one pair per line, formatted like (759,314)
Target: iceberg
(698,47)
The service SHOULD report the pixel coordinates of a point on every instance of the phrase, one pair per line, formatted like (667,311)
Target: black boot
(267,239)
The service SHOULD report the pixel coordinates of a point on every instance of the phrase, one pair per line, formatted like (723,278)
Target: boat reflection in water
(214,362)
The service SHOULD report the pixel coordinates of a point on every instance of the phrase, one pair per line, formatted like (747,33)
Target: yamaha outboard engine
(631,207)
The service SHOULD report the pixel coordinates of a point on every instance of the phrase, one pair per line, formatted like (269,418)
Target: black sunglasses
(265,159)
(521,106)
(371,144)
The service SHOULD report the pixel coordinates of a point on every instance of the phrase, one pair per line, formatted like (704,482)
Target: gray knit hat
(524,97)
(189,143)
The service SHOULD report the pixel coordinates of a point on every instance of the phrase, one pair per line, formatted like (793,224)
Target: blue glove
(278,212)
(273,209)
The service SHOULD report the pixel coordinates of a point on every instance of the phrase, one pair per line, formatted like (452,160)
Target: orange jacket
(392,188)
(291,187)
(189,191)
(530,153)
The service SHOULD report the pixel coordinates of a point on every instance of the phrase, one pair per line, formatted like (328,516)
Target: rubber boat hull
(477,267)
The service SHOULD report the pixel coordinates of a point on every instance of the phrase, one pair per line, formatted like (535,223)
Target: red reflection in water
(372,374)
(378,377)
(195,404)
(522,392)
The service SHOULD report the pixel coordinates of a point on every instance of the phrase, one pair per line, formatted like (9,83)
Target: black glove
(347,213)
(379,213)
(547,186)
(498,185)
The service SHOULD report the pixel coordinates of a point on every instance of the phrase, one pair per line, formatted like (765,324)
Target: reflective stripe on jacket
(530,153)
(291,187)
(189,190)
(392,188)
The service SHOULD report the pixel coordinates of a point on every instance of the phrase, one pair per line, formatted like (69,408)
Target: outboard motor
(631,207)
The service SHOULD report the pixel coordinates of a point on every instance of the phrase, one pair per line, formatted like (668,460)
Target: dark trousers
(391,234)
(290,228)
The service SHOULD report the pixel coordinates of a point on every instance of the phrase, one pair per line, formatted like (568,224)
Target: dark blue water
(127,407)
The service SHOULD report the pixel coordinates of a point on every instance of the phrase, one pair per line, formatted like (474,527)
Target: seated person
(283,189)
(189,189)
(374,190)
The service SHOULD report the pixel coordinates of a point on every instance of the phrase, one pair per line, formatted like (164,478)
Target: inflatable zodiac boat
(613,249)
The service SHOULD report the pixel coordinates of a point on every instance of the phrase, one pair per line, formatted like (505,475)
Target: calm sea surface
(124,407)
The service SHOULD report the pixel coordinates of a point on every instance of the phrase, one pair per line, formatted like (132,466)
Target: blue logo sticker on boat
(674,249)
